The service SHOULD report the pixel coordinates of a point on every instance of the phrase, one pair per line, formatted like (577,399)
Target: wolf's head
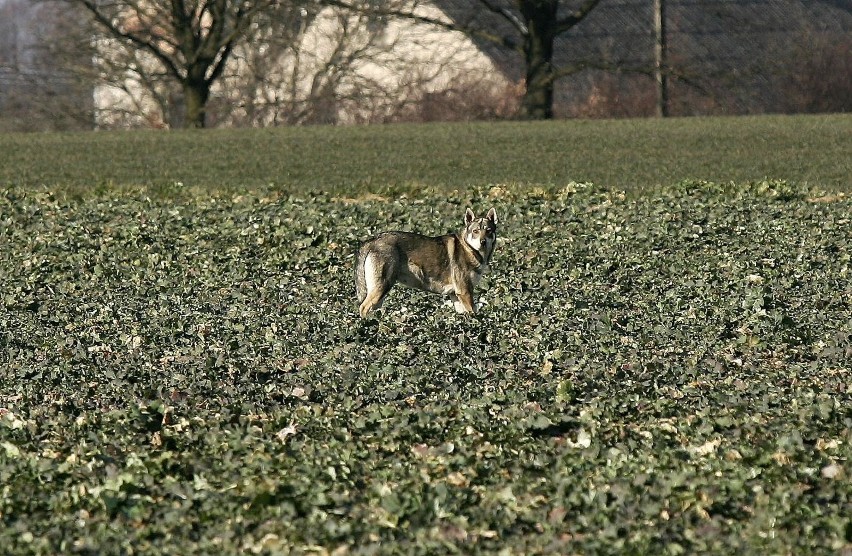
(481,233)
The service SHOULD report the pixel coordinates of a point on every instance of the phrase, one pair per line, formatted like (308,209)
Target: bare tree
(296,66)
(318,64)
(190,40)
(298,62)
(45,69)
(526,27)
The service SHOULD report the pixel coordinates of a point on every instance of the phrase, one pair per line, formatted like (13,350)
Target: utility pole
(660,55)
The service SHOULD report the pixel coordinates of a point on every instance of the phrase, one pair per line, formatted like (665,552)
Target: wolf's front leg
(464,303)
(453,298)
(457,303)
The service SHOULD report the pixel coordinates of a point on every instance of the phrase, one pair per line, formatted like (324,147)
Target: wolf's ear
(468,216)
(492,215)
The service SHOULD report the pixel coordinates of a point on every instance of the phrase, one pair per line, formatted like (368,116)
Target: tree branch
(145,44)
(474,32)
(507,14)
(576,17)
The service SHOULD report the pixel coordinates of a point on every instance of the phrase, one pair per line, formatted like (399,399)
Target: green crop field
(624,154)
(183,371)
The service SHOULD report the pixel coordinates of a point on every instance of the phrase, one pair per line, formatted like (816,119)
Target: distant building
(340,71)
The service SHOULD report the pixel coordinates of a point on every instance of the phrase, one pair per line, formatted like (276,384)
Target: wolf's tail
(360,279)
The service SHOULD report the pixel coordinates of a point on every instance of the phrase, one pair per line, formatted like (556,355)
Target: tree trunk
(195,96)
(540,19)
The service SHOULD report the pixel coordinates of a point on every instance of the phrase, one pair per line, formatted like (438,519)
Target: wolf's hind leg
(377,285)
(373,301)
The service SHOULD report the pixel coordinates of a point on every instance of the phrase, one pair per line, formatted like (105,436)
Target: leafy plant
(657,374)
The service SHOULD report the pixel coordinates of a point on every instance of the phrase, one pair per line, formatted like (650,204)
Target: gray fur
(449,265)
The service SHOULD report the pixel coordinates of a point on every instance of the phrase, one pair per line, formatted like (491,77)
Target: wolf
(450,265)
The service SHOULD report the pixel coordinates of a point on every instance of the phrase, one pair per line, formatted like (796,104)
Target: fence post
(660,69)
